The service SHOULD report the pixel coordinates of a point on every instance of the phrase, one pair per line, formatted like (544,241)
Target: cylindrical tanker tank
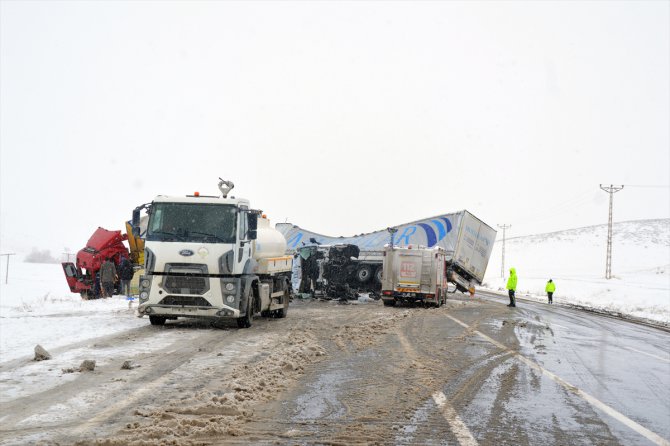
(269,242)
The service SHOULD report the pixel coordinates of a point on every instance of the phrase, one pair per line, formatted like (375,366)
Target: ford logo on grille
(186,252)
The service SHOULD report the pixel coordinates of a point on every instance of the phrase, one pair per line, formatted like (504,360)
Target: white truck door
(244,251)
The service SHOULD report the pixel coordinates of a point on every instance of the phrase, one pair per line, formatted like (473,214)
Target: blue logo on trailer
(435,232)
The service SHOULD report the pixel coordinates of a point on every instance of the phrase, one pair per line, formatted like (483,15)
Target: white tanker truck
(211,257)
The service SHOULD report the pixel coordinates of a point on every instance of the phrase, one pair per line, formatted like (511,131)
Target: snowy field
(575,260)
(36,306)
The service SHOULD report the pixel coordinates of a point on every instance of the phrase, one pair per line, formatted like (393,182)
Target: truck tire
(364,273)
(389,303)
(379,274)
(157,320)
(248,319)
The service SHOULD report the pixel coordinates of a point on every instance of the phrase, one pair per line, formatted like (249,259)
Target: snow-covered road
(471,372)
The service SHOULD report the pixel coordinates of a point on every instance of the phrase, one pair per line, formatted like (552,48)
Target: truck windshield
(192,222)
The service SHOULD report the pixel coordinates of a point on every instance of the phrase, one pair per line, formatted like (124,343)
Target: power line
(7,266)
(502,266)
(608,263)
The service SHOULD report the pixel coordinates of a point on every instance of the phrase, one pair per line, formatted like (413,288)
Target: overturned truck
(338,271)
(466,240)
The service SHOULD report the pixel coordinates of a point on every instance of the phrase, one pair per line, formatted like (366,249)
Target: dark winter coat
(126,271)
(107,272)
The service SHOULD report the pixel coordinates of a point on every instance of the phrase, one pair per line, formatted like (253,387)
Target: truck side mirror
(253,226)
(136,222)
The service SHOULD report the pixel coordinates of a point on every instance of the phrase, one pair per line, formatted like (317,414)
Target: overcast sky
(341,117)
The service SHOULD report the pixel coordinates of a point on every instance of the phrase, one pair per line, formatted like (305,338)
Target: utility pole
(502,265)
(608,263)
(7,269)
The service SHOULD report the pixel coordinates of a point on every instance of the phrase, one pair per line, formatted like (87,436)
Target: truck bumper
(171,311)
(410,297)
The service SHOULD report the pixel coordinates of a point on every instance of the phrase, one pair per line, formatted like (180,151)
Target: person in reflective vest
(511,287)
(550,288)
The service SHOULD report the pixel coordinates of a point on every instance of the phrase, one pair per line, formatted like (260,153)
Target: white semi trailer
(211,257)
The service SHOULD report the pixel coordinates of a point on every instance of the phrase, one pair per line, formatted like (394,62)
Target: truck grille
(185,301)
(185,279)
(185,284)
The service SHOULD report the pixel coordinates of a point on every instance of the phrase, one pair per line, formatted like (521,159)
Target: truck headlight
(144,295)
(145,283)
(230,286)
(230,299)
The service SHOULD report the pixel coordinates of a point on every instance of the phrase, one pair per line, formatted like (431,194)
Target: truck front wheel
(248,319)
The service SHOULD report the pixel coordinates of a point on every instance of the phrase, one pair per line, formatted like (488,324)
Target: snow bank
(37,307)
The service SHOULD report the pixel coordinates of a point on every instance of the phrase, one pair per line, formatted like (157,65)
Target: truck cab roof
(201,199)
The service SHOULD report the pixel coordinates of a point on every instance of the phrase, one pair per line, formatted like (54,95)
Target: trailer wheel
(157,320)
(364,273)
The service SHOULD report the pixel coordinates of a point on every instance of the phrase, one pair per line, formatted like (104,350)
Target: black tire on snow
(389,303)
(247,320)
(157,320)
(364,273)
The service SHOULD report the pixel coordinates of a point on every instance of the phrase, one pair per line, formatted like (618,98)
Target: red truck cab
(81,277)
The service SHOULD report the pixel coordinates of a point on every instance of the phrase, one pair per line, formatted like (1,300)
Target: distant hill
(636,245)
(656,232)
